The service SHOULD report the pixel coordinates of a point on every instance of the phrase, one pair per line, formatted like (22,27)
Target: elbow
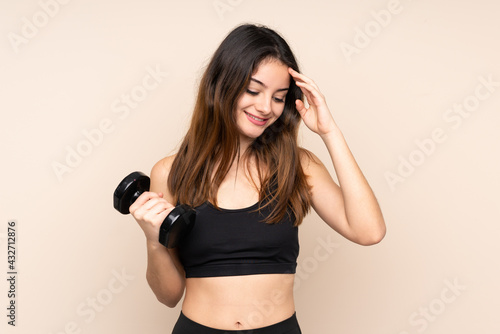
(373,237)
(371,241)
(171,303)
(169,299)
(168,296)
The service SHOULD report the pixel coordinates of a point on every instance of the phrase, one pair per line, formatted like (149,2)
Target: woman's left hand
(317,117)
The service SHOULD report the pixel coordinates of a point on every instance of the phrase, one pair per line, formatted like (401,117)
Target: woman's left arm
(351,208)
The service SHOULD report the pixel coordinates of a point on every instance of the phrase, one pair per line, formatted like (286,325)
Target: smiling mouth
(256,118)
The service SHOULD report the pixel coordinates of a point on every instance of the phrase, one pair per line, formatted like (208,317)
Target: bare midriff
(239,302)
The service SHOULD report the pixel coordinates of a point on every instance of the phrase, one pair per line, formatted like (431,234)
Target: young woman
(240,167)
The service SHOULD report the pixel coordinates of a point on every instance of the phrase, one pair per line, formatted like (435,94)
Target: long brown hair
(211,144)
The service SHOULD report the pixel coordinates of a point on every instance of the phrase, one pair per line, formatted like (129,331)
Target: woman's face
(264,99)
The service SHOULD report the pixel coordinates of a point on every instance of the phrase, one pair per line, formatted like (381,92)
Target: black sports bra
(232,242)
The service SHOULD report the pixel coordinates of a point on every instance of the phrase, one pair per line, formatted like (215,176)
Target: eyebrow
(264,85)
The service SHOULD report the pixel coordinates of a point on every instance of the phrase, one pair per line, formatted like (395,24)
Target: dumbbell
(174,228)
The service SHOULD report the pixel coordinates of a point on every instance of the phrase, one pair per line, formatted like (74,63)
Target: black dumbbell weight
(174,228)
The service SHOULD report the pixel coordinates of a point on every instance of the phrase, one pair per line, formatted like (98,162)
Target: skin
(350,208)
(264,99)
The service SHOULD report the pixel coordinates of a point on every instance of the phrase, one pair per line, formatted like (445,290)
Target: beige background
(68,75)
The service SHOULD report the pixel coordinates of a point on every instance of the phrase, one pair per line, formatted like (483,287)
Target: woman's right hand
(150,210)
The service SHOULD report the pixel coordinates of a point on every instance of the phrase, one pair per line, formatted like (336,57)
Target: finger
(158,211)
(301,108)
(153,202)
(312,94)
(155,210)
(143,198)
(307,86)
(309,97)
(302,78)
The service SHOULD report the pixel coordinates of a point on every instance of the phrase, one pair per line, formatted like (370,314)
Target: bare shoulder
(161,169)
(318,176)
(159,176)
(309,161)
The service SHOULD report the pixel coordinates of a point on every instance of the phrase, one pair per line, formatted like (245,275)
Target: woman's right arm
(165,274)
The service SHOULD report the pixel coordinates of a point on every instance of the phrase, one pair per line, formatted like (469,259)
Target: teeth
(255,118)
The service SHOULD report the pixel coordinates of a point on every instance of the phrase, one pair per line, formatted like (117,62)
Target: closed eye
(276,99)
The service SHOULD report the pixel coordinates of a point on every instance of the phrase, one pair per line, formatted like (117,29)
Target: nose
(264,104)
